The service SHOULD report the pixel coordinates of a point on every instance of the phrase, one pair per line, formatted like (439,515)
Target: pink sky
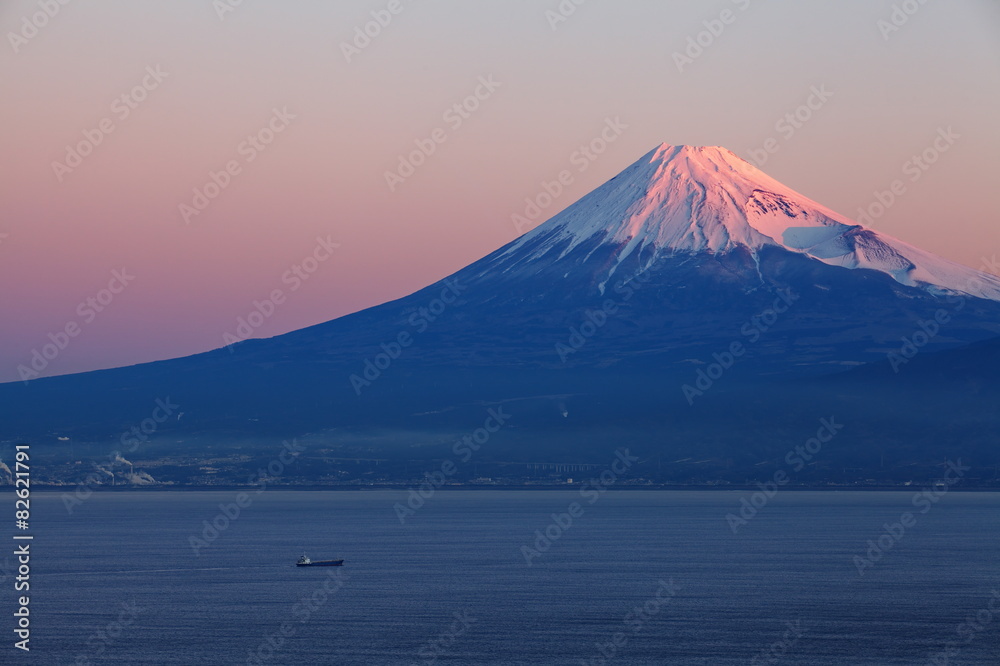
(323,176)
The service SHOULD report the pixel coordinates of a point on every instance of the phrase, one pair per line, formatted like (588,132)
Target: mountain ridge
(708,199)
(655,315)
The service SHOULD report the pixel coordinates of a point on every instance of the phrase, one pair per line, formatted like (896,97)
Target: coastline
(517,488)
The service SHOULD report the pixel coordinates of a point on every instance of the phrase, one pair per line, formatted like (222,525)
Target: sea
(511,577)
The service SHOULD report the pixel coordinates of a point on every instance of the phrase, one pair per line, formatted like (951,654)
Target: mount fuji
(706,200)
(691,306)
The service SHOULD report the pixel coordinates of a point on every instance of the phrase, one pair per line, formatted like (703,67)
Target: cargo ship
(304,561)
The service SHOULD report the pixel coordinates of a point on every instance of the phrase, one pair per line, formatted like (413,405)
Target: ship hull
(326,563)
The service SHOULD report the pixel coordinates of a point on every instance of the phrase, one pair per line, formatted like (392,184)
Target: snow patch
(694,200)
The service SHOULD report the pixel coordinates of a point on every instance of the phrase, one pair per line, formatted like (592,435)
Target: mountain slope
(682,199)
(588,327)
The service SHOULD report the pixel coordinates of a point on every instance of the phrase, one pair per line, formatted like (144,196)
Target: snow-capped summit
(690,265)
(706,199)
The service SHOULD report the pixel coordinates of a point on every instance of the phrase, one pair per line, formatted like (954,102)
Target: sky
(168,168)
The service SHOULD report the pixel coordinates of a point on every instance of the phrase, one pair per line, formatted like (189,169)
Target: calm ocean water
(118,582)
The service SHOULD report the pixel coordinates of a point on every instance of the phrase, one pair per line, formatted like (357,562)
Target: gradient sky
(323,175)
